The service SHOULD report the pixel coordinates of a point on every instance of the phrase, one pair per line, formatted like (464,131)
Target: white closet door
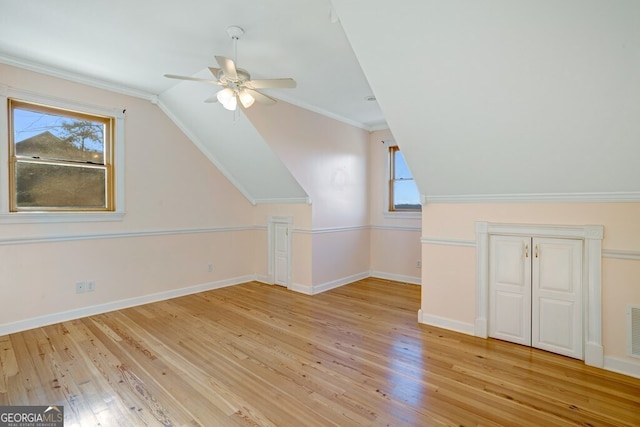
(281,254)
(510,288)
(557,296)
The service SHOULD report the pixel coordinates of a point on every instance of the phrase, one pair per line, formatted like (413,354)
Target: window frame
(115,154)
(391,180)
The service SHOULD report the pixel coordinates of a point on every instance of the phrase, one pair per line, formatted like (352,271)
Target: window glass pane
(45,185)
(406,195)
(400,167)
(52,136)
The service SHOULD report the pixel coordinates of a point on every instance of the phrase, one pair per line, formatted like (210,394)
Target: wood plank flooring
(259,355)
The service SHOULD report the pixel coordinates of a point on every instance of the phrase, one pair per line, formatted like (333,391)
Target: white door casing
(279,240)
(535,287)
(591,237)
(281,253)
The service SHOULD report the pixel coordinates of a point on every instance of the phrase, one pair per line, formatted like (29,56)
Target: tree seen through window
(60,159)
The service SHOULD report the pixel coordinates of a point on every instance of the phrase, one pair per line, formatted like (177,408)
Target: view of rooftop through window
(62,137)
(59,159)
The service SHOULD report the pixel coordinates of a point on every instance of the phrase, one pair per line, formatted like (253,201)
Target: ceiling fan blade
(261,97)
(228,67)
(271,83)
(214,71)
(195,79)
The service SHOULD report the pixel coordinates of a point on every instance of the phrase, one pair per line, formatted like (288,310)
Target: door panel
(281,254)
(557,296)
(556,324)
(509,322)
(510,288)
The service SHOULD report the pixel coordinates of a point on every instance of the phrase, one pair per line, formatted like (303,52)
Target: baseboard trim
(64,316)
(303,289)
(263,279)
(594,354)
(622,366)
(442,322)
(396,277)
(339,282)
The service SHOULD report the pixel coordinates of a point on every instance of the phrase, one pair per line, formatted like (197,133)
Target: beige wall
(330,161)
(181,215)
(327,157)
(449,277)
(395,240)
(300,214)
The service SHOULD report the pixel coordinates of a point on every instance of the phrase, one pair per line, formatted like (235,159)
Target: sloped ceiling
(506,97)
(128,46)
(487,97)
(232,143)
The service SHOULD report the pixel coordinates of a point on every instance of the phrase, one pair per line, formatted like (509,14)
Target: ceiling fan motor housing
(235,32)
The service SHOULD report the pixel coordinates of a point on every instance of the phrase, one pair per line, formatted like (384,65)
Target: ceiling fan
(236,82)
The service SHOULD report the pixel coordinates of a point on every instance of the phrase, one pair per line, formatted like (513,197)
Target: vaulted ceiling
(499,97)
(489,97)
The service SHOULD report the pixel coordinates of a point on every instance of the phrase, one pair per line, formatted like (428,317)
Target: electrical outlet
(418,264)
(91,286)
(81,287)
(210,267)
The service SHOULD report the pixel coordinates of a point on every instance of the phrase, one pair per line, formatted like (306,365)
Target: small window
(403,192)
(60,160)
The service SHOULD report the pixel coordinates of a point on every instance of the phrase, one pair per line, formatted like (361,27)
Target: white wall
(504,97)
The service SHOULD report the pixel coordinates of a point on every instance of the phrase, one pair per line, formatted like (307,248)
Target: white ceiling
(485,97)
(132,44)
(499,97)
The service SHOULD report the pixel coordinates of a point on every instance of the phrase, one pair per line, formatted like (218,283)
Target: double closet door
(535,292)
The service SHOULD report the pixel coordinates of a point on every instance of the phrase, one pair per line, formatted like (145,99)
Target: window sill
(403,215)
(53,217)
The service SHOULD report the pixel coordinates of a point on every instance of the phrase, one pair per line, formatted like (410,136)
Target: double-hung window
(403,192)
(60,160)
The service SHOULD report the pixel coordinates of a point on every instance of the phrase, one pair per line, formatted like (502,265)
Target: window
(403,192)
(59,160)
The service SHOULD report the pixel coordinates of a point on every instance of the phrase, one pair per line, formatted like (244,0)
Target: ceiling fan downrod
(235,33)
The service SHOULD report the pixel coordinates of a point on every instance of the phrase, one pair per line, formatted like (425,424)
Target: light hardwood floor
(259,355)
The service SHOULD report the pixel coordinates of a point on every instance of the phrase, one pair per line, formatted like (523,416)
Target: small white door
(510,288)
(281,253)
(535,293)
(557,296)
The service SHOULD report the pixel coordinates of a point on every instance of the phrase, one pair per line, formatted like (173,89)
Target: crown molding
(76,77)
(600,197)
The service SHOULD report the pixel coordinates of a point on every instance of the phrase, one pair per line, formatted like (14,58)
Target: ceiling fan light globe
(225,95)
(246,99)
(231,104)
